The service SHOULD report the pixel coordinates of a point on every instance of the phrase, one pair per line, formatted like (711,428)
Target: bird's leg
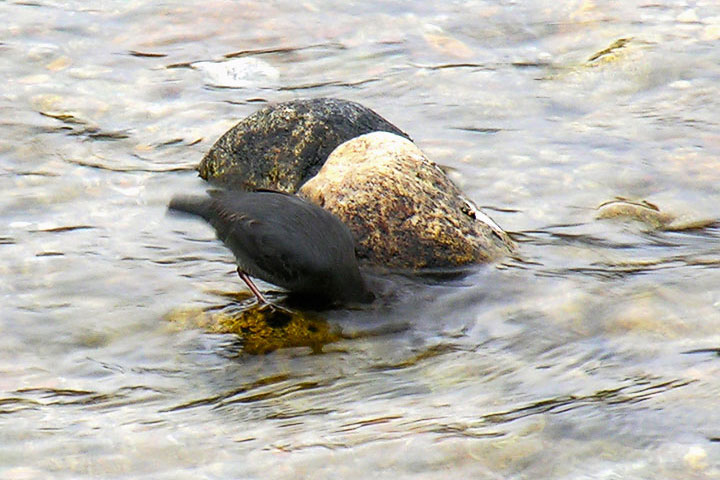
(245,278)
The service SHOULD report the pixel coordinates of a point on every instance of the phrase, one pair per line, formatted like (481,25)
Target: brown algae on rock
(650,215)
(281,146)
(641,211)
(609,54)
(625,63)
(265,328)
(262,328)
(402,209)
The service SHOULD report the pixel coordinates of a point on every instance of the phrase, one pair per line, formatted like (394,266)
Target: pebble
(688,16)
(447,45)
(42,52)
(60,63)
(696,458)
(88,72)
(245,72)
(711,32)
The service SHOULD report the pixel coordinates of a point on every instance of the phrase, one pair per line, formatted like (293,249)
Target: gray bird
(283,240)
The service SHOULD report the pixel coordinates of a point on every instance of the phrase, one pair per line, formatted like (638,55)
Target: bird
(284,240)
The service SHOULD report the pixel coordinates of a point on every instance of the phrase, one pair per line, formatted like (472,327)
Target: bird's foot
(253,288)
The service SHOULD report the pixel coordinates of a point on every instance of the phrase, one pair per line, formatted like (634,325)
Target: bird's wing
(275,248)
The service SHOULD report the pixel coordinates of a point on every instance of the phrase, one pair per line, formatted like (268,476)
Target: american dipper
(283,240)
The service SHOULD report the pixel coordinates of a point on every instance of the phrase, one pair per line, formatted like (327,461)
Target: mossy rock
(281,146)
(263,328)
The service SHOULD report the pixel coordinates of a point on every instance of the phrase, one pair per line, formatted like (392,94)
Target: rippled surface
(593,354)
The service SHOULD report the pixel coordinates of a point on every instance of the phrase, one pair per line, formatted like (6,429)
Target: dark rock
(282,146)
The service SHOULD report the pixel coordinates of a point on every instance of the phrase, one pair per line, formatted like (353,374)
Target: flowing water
(591,354)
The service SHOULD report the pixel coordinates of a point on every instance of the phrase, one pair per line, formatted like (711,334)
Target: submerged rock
(650,215)
(244,72)
(263,328)
(642,211)
(401,208)
(281,146)
(609,54)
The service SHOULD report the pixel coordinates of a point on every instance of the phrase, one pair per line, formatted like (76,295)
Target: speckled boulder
(281,146)
(402,209)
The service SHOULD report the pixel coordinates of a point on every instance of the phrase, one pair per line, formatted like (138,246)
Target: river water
(591,354)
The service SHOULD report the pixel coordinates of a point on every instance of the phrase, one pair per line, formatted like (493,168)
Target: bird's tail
(192,204)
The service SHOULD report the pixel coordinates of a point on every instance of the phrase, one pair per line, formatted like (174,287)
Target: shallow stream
(592,354)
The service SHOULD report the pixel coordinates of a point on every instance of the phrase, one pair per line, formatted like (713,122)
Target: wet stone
(281,146)
(262,328)
(402,209)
